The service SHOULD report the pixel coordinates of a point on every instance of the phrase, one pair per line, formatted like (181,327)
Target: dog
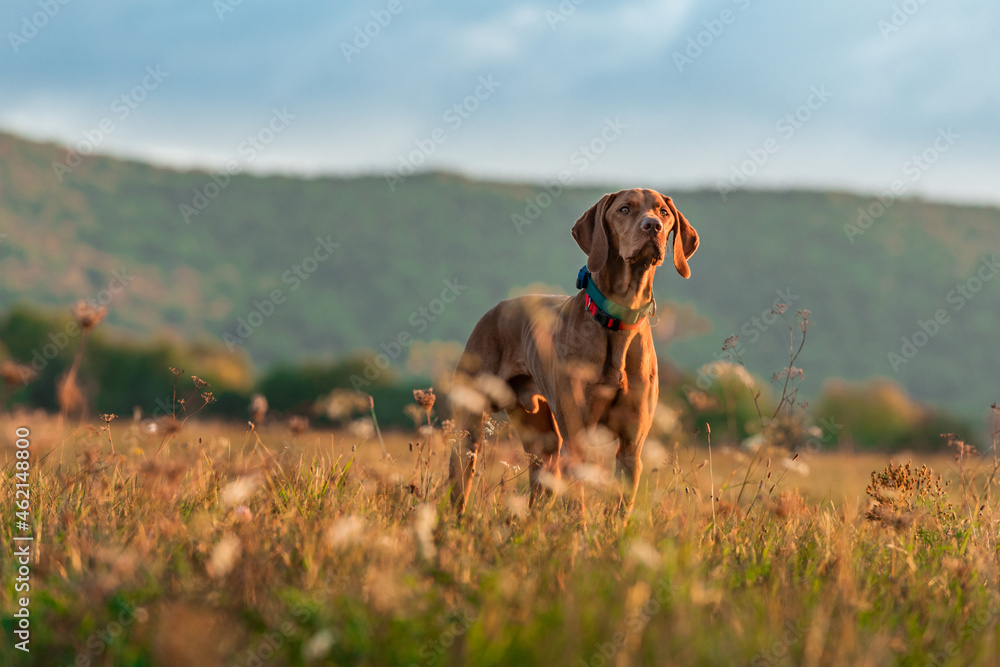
(559,366)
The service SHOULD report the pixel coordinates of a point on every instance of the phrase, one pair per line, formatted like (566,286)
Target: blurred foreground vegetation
(224,545)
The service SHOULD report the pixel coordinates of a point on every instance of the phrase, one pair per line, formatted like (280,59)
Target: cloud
(565,69)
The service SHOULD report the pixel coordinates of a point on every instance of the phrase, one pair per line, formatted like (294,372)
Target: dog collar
(608,313)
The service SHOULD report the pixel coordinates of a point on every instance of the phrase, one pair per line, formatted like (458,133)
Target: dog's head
(634,224)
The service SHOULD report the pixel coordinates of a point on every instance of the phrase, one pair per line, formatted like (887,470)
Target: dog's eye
(663,211)
(623,209)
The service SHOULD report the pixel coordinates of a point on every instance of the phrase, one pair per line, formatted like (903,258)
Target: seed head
(425,398)
(87,316)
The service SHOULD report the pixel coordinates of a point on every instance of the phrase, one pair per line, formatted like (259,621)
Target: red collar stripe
(605,319)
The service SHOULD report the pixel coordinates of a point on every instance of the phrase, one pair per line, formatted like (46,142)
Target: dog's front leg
(628,467)
(632,422)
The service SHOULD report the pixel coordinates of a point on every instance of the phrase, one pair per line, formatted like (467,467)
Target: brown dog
(559,366)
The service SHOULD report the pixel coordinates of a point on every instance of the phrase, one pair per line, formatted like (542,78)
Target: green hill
(314,267)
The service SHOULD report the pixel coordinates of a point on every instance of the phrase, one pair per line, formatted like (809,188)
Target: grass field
(231,546)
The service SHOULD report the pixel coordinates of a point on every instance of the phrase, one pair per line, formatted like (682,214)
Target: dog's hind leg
(541,440)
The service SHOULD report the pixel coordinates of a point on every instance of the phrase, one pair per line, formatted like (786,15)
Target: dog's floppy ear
(591,233)
(685,240)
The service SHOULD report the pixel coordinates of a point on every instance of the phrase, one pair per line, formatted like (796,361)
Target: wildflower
(361,428)
(239,491)
(199,383)
(644,553)
(224,556)
(513,468)
(730,343)
(345,531)
(258,408)
(341,403)
(962,449)
(87,316)
(517,505)
(793,464)
(318,645)
(792,373)
(425,398)
(468,399)
(423,528)
(495,389)
(593,475)
(899,490)
(455,436)
(804,320)
(168,424)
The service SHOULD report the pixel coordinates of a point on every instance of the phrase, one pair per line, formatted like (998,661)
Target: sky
(859,95)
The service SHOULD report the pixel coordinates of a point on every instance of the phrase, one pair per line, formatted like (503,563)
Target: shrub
(879,414)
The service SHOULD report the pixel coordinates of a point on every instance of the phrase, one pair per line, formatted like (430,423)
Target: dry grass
(243,546)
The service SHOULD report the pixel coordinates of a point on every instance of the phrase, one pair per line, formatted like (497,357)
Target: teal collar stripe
(626,315)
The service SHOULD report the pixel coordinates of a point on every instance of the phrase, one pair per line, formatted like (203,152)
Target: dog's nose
(652,225)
